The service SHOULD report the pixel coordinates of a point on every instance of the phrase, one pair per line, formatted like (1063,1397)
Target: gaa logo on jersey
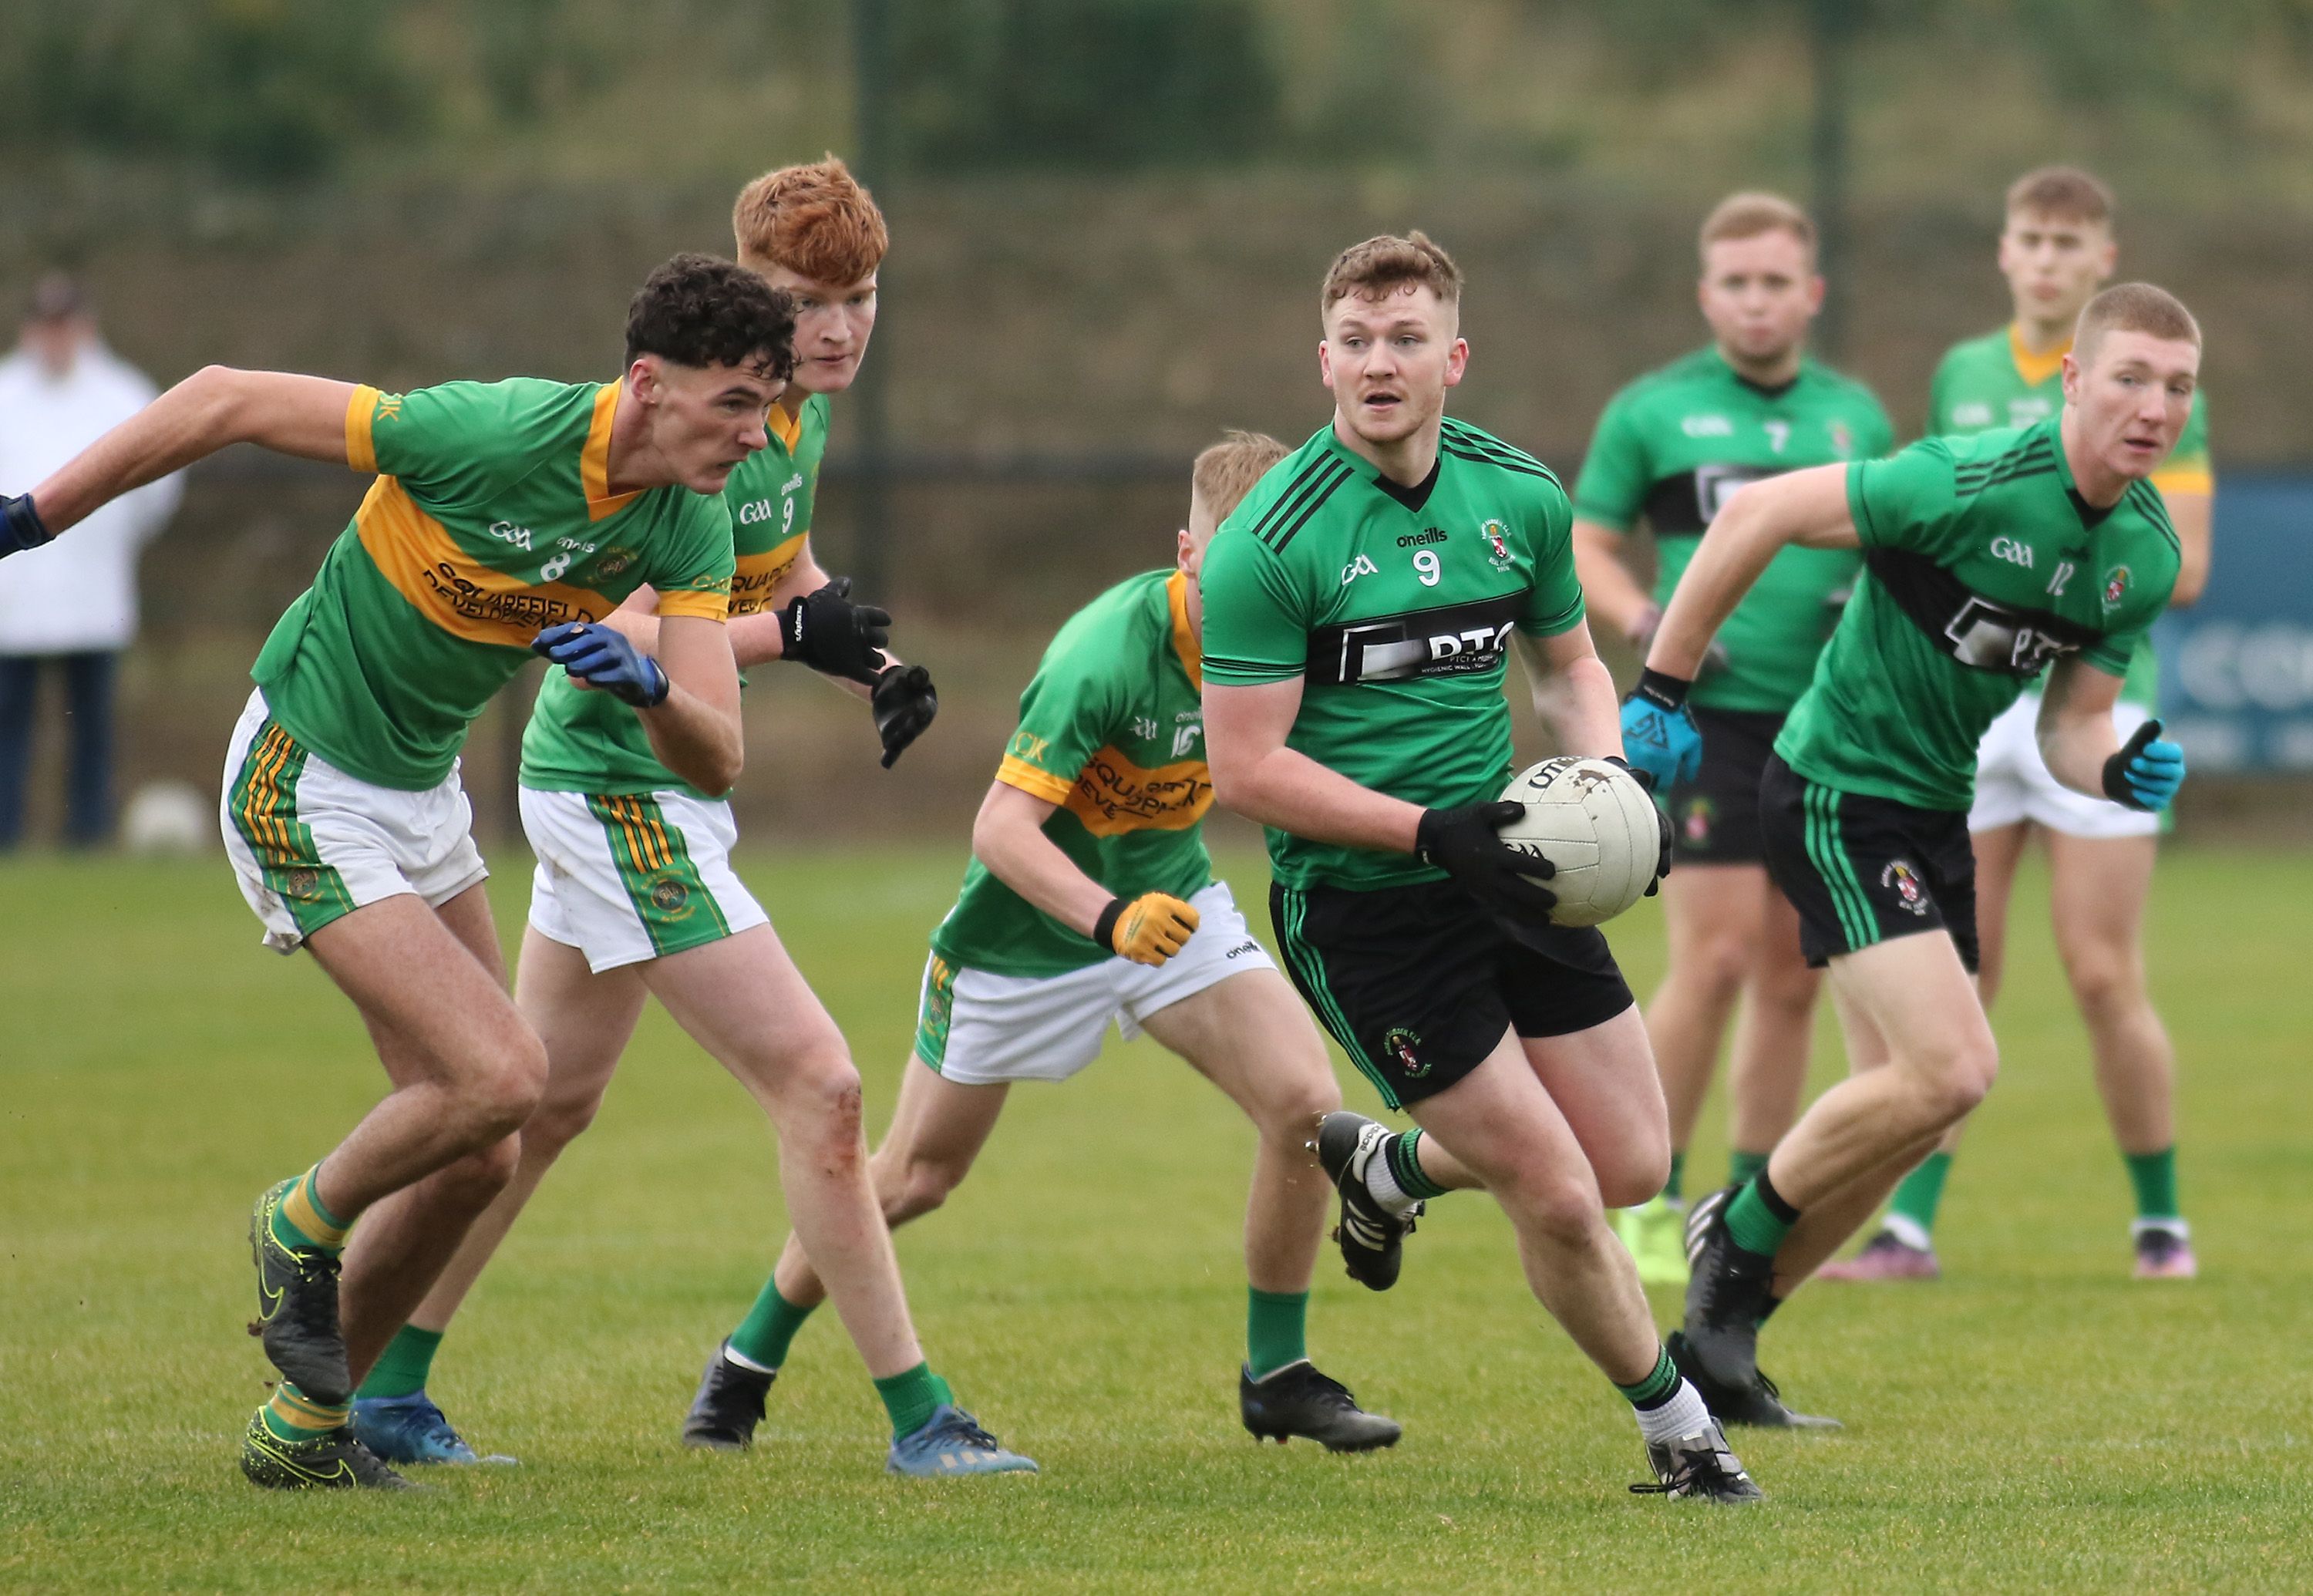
(1498,547)
(2116,586)
(1909,896)
(1402,1043)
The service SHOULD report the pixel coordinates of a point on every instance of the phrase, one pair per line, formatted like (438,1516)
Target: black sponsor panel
(1976,632)
(1451,641)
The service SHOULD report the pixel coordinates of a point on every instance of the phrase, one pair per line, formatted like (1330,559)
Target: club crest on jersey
(1497,548)
(1696,822)
(1402,1045)
(1900,879)
(1842,440)
(2116,586)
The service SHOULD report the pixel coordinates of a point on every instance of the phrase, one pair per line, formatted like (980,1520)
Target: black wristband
(1104,929)
(21,523)
(1662,689)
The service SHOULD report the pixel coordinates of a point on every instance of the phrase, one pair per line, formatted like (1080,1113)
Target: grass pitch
(2036,1422)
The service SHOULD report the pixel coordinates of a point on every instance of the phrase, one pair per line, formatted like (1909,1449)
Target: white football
(1597,825)
(169,817)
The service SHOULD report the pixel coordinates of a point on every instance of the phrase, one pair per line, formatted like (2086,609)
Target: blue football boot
(951,1442)
(411,1430)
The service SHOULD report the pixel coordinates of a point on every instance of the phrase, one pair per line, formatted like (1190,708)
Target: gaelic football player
(498,510)
(1670,448)
(1987,561)
(1359,610)
(2056,251)
(1090,899)
(635,895)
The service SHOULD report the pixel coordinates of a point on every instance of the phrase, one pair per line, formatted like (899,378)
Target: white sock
(1683,1415)
(732,1354)
(1383,1187)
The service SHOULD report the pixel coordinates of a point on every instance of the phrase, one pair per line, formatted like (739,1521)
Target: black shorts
(1862,869)
(1716,816)
(1419,984)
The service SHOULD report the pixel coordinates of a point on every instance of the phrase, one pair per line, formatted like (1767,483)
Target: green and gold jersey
(1112,731)
(590,742)
(1994,381)
(1982,566)
(1674,445)
(1394,606)
(491,518)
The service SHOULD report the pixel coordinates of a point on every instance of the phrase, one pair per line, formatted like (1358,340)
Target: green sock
(1405,1166)
(1921,1192)
(290,1414)
(1741,1165)
(762,1336)
(1650,1391)
(1275,1328)
(1674,1190)
(2154,1176)
(1758,1218)
(909,1397)
(400,1369)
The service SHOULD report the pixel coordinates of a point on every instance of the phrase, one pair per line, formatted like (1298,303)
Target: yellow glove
(1149,930)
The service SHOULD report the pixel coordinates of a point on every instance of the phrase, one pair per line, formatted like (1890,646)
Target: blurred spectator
(73,603)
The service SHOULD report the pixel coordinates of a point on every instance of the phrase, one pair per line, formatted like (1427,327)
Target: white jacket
(78,595)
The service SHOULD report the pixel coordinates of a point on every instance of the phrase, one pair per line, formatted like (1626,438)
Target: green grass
(2036,1422)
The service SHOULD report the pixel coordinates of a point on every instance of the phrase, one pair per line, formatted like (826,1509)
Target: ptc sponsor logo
(1405,1046)
(2013,551)
(2116,586)
(1474,649)
(1900,879)
(1707,427)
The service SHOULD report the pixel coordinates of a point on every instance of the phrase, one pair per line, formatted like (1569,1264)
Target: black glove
(1466,843)
(903,704)
(828,632)
(20,526)
(1662,823)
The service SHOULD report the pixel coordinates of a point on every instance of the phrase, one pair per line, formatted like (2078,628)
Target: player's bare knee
(481,1175)
(1959,1079)
(1563,1212)
(1635,1172)
(923,1185)
(2104,980)
(558,1122)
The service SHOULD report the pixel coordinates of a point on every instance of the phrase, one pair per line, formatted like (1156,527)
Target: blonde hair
(2131,307)
(1751,213)
(1227,471)
(1383,264)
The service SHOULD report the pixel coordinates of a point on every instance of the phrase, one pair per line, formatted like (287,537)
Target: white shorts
(2012,783)
(628,878)
(983,1030)
(310,842)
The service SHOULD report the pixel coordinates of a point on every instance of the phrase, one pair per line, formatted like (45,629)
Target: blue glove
(2146,773)
(1659,737)
(602,657)
(20,526)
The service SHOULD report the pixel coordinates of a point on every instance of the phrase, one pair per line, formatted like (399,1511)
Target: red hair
(815,220)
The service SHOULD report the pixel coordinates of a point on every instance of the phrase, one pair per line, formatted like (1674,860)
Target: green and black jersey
(1982,566)
(1674,445)
(1394,606)
(1994,381)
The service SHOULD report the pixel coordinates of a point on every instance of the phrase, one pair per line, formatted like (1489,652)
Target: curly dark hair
(695,310)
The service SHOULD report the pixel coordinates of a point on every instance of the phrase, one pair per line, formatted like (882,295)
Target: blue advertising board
(2236,668)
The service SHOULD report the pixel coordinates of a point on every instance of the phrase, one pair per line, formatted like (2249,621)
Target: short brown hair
(1227,471)
(2064,192)
(1751,213)
(2133,307)
(815,220)
(1383,264)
